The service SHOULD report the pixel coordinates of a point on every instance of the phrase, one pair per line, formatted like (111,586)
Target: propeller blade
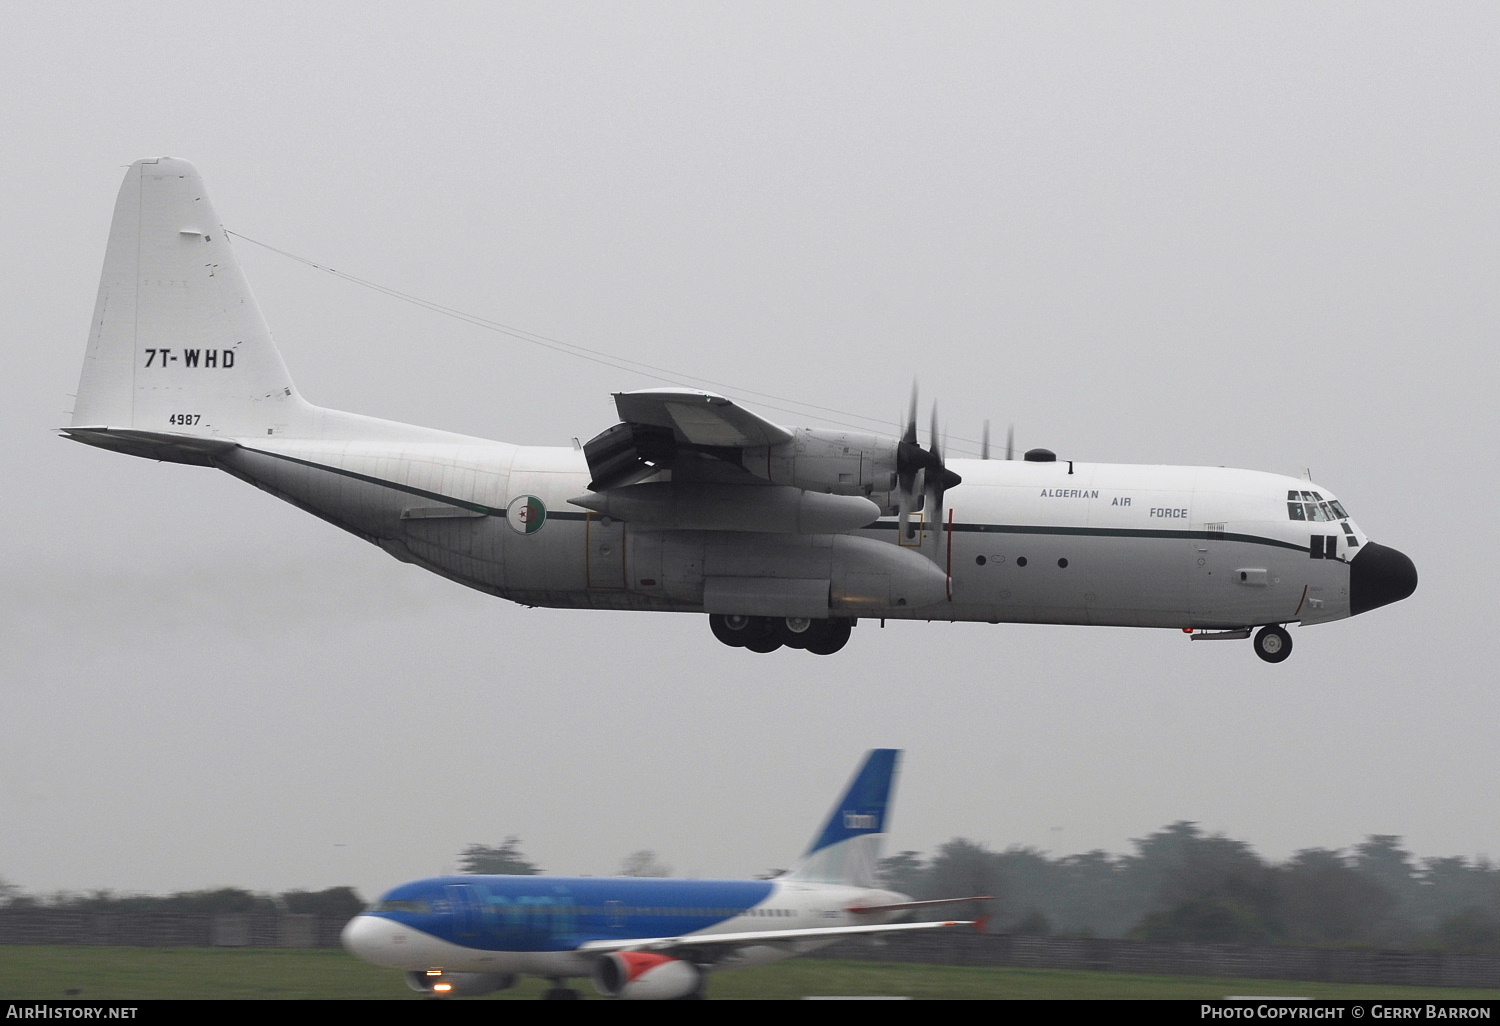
(909,454)
(1010,442)
(921,471)
(911,417)
(984,445)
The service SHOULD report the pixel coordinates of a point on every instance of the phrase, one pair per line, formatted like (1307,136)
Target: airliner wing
(751,938)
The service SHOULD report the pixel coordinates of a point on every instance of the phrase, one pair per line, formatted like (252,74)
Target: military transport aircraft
(692,503)
(644,938)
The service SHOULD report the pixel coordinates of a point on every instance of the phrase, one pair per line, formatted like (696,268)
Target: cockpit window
(1312,506)
(403,906)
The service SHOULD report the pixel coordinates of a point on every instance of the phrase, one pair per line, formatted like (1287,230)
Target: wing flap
(699,418)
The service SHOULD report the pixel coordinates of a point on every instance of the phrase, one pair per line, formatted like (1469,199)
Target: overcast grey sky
(1258,235)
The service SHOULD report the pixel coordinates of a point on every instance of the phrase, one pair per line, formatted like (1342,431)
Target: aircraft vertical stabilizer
(178,344)
(847,849)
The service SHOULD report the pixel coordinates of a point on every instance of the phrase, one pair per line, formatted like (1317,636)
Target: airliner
(784,537)
(645,938)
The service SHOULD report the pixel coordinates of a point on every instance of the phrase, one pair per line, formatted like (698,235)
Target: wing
(660,425)
(750,938)
(699,418)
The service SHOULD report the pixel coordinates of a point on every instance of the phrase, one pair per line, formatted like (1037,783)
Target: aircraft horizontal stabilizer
(153,445)
(865,910)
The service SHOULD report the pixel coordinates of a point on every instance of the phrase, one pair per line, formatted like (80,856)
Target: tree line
(1180,884)
(333,903)
(1177,884)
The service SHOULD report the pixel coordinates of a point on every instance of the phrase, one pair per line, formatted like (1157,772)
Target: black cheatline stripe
(879,525)
(1098,532)
(474,507)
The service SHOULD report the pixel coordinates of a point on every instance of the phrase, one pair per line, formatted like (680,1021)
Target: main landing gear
(767,634)
(1272,643)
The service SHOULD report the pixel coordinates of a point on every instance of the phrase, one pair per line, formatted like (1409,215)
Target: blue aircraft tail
(847,849)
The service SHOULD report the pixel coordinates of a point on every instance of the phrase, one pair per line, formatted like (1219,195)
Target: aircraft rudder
(862,807)
(177,343)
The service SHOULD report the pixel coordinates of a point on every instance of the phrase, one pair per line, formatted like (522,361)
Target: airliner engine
(646,976)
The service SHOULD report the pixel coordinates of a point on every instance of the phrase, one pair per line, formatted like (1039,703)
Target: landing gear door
(605,539)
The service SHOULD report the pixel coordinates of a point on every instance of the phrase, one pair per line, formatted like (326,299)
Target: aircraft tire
(765,635)
(793,638)
(726,630)
(826,637)
(1273,644)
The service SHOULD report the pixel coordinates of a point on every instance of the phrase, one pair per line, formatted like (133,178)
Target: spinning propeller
(1010,442)
(921,471)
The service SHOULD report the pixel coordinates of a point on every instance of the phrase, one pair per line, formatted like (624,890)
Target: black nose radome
(1379,576)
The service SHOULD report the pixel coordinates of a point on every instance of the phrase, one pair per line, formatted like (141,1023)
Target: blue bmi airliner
(643,938)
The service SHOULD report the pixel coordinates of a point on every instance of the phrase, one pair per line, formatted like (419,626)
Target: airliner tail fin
(847,849)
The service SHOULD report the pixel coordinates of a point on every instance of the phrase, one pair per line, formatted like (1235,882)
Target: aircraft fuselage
(1059,542)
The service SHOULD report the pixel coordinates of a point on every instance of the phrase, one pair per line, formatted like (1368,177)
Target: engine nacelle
(460,984)
(645,976)
(819,460)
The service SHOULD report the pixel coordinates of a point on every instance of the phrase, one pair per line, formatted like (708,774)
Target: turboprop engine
(459,984)
(836,462)
(646,976)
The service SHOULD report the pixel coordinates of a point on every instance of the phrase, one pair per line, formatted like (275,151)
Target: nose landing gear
(1273,643)
(767,634)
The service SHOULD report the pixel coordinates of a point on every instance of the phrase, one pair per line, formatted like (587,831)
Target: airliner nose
(1378,576)
(363,936)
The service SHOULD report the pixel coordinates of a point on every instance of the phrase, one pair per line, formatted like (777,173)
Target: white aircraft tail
(180,363)
(847,849)
(178,344)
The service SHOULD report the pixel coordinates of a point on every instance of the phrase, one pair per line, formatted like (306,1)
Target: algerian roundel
(526,514)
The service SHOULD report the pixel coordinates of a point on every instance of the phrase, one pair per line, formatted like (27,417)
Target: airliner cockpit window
(403,906)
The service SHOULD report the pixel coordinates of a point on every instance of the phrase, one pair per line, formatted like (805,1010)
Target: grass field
(110,973)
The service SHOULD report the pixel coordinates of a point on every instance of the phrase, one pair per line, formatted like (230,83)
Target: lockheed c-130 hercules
(692,503)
